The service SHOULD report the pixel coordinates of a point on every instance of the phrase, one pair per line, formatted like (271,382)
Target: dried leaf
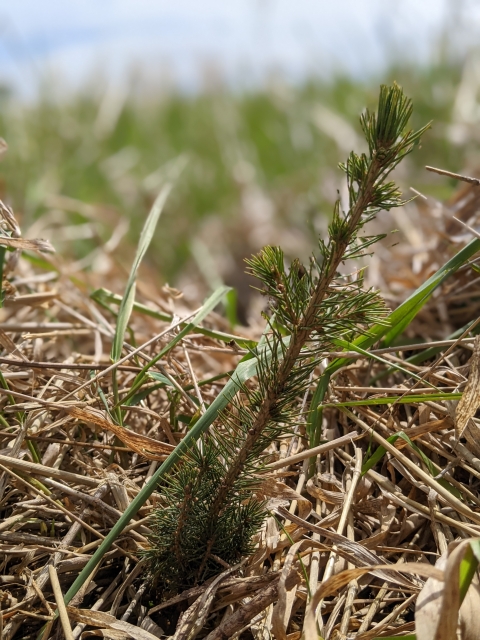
(427,427)
(30,245)
(372,506)
(332,497)
(272,534)
(247,612)
(6,213)
(152,627)
(9,345)
(472,436)
(31,299)
(144,446)
(376,539)
(107,621)
(438,604)
(351,550)
(105,633)
(119,491)
(243,587)
(273,488)
(192,620)
(470,400)
(336,582)
(286,597)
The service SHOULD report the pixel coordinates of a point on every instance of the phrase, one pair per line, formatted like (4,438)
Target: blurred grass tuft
(260,163)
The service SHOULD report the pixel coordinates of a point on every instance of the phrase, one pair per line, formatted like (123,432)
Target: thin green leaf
(206,308)
(403,315)
(160,378)
(399,319)
(431,352)
(390,328)
(231,305)
(128,299)
(126,305)
(432,468)
(404,399)
(468,567)
(104,297)
(351,346)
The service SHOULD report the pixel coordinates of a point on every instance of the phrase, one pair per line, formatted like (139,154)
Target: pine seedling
(213,499)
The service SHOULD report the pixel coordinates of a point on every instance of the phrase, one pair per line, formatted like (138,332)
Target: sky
(178,41)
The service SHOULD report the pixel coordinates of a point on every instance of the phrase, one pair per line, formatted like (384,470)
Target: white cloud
(295,35)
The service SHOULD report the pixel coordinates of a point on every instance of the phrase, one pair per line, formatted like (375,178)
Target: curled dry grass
(348,549)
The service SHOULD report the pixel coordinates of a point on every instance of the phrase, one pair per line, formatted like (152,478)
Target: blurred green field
(260,166)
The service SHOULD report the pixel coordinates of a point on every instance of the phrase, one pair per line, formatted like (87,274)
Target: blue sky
(242,38)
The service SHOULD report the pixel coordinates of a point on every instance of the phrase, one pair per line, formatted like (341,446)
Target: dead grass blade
(314,451)
(247,612)
(62,611)
(107,621)
(470,400)
(352,551)
(192,621)
(448,496)
(49,472)
(286,596)
(143,445)
(273,488)
(44,246)
(336,582)
(31,300)
(440,613)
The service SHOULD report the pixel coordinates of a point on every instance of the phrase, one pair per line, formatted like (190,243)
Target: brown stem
(229,626)
(205,559)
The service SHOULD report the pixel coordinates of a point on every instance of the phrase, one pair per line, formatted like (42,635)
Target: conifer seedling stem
(306,326)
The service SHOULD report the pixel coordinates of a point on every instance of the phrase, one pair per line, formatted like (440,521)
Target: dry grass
(68,472)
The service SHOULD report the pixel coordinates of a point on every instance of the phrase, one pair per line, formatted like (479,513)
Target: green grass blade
(389,329)
(404,314)
(432,468)
(143,393)
(126,305)
(160,378)
(431,352)
(399,319)
(408,399)
(128,299)
(351,346)
(314,419)
(104,297)
(208,306)
(231,305)
(468,566)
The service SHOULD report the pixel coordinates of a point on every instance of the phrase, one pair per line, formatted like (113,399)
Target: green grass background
(59,146)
